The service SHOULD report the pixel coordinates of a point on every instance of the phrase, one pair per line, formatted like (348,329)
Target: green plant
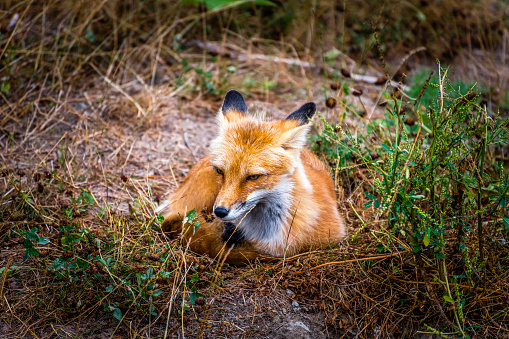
(191,221)
(31,239)
(434,176)
(459,87)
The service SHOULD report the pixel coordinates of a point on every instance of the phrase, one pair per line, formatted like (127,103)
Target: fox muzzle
(221,212)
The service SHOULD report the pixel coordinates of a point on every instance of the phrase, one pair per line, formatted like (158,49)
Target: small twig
(173,176)
(458,285)
(350,260)
(406,57)
(188,144)
(4,276)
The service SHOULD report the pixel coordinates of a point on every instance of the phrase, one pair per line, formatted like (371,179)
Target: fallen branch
(217,49)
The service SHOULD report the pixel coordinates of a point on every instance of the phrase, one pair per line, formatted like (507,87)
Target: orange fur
(277,194)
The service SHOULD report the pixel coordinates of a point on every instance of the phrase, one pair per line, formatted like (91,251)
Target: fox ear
(295,138)
(303,114)
(233,101)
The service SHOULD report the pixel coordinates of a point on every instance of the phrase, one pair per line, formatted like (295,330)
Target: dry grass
(100,117)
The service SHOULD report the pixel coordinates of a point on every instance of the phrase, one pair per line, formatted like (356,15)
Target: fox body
(269,194)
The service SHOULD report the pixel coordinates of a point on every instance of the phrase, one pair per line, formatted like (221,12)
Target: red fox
(269,194)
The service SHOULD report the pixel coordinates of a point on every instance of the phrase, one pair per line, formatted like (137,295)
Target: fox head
(255,160)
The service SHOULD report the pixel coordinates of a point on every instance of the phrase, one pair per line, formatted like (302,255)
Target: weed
(461,88)
(31,238)
(433,180)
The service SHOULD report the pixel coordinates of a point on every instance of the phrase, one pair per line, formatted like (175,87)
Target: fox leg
(213,238)
(198,192)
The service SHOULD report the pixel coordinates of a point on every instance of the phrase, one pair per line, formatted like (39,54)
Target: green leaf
(448,299)
(387,148)
(369,195)
(117,313)
(90,35)
(190,216)
(57,264)
(109,289)
(27,243)
(5,87)
(346,89)
(427,238)
(194,277)
(82,263)
(506,222)
(33,252)
(216,4)
(43,241)
(416,196)
(421,16)
(332,54)
(264,3)
(87,197)
(194,296)
(470,194)
(157,293)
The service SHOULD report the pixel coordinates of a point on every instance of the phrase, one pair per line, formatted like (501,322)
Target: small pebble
(290,293)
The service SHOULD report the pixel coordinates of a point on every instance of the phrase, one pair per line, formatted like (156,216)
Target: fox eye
(253,177)
(218,171)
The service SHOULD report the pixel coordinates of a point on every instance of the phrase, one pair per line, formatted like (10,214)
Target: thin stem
(479,207)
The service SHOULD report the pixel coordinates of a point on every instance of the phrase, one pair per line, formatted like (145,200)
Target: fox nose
(220,212)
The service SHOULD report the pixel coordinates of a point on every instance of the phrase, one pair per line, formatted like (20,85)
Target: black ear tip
(233,93)
(310,109)
(233,100)
(304,113)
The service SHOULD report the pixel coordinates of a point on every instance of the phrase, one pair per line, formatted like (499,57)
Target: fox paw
(231,235)
(172,224)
